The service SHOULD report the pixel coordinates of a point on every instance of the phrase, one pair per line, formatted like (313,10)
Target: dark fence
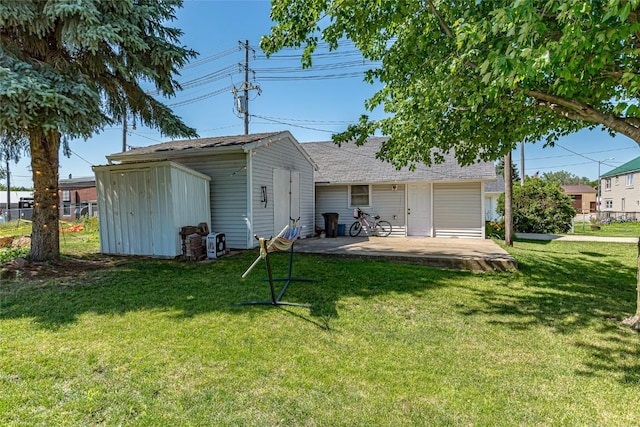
(614,216)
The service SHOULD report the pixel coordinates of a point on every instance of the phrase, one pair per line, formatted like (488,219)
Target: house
(258,182)
(492,191)
(620,189)
(583,196)
(444,200)
(78,197)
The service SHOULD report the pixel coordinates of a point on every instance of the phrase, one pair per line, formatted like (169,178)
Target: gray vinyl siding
(280,155)
(458,210)
(228,194)
(386,202)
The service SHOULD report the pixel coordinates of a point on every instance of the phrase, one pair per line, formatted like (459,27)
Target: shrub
(540,206)
(494,229)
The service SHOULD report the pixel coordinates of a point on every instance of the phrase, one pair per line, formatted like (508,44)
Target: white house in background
(15,197)
(492,191)
(444,200)
(257,182)
(620,188)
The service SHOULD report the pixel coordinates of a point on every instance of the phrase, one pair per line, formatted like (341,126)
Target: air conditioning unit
(216,245)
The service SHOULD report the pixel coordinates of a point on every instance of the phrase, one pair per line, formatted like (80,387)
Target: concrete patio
(451,253)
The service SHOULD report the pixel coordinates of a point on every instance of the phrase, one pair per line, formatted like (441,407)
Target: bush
(540,207)
(494,229)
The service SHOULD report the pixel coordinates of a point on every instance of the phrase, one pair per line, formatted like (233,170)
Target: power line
(289,124)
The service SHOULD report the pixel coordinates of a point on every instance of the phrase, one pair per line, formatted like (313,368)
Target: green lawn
(625,229)
(154,342)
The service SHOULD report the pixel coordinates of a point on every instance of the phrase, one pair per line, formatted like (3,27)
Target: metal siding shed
(144,205)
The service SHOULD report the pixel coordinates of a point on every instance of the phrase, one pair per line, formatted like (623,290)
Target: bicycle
(376,227)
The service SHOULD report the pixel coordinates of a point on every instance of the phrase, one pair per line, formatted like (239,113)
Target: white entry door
(419,209)
(286,198)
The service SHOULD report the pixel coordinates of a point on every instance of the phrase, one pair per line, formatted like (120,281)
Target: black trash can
(330,224)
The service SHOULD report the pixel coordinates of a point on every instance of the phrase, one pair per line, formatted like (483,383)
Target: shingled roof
(195,144)
(352,164)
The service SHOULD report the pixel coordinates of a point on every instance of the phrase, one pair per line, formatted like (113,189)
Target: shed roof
(349,163)
(578,189)
(630,166)
(186,145)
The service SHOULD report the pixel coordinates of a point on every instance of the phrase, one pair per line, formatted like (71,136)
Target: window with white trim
(607,183)
(608,204)
(629,180)
(359,196)
(66,202)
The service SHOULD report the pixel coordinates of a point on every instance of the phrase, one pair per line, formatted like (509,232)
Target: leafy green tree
(515,174)
(478,77)
(566,178)
(72,67)
(540,207)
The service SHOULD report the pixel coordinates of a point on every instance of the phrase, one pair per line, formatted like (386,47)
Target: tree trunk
(45,240)
(508,201)
(634,321)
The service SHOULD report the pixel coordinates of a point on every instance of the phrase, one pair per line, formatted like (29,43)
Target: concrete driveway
(459,254)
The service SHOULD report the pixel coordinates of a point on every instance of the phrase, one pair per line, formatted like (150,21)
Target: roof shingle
(349,163)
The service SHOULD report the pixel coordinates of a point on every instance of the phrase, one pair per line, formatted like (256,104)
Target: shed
(258,181)
(144,205)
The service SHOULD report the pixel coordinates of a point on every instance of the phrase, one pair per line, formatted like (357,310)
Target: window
(607,184)
(629,180)
(66,202)
(359,195)
(622,205)
(608,204)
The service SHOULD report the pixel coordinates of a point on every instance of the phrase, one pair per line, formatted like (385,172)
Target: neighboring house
(620,188)
(492,191)
(257,183)
(444,200)
(15,197)
(583,196)
(77,197)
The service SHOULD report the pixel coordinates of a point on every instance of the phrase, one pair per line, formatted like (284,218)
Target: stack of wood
(194,245)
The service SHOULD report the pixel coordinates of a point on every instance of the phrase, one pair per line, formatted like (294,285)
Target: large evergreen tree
(69,68)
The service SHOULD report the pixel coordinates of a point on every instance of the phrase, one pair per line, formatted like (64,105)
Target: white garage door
(457,210)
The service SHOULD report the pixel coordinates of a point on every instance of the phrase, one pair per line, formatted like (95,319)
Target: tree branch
(575,110)
(443,24)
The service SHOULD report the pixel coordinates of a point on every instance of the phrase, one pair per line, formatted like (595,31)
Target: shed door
(132,212)
(286,198)
(419,209)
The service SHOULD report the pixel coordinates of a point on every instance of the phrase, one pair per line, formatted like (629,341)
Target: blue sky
(310,104)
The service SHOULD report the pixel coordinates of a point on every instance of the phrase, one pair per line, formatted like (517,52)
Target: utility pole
(7,216)
(124,133)
(242,103)
(522,164)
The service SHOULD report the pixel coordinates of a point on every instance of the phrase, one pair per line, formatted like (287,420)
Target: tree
(565,178)
(500,168)
(540,207)
(479,77)
(69,68)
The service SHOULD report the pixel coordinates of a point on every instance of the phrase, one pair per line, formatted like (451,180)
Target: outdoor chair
(284,241)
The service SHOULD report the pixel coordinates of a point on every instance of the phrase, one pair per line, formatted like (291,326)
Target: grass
(156,342)
(624,229)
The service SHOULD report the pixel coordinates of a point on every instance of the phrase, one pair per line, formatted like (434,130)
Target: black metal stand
(277,300)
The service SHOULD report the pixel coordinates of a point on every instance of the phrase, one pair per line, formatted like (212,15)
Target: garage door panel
(458,210)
